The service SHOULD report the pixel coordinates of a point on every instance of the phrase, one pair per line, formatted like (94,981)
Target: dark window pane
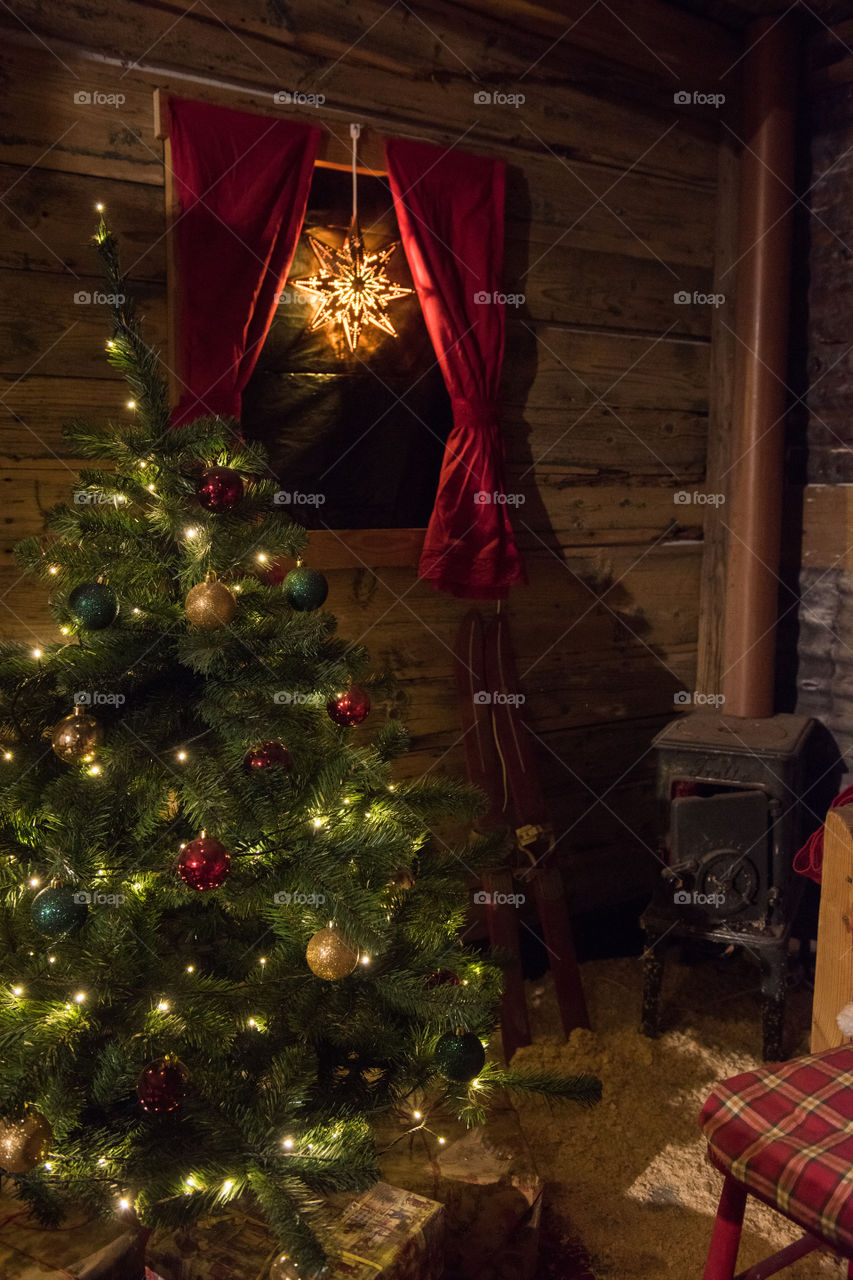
(365,430)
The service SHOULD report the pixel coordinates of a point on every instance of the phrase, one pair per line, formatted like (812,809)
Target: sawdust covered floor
(629,1177)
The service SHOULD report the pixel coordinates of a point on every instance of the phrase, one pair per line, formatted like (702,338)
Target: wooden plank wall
(612,210)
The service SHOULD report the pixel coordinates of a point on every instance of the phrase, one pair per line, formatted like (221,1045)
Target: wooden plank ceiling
(735,14)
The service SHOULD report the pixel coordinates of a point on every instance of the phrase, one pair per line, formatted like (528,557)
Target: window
(364,432)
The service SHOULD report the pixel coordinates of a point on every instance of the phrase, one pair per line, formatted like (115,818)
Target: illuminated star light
(352,288)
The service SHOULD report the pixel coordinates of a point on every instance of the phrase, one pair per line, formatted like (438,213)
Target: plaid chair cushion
(786,1132)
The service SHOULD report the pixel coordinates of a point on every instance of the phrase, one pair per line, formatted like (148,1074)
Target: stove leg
(773,991)
(653,961)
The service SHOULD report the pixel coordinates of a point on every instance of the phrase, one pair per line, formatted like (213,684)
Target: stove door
(720,850)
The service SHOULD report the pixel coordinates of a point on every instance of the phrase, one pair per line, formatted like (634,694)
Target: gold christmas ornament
(284,1269)
(402,879)
(77,736)
(210,605)
(330,955)
(24,1142)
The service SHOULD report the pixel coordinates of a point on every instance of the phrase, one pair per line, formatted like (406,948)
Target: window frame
(338,548)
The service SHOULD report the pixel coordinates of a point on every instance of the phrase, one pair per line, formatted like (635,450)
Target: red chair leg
(725,1240)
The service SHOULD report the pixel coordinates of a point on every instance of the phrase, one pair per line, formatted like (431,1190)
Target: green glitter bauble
(305,589)
(460,1057)
(55,911)
(94,605)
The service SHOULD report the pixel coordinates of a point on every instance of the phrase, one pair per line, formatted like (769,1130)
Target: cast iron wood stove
(730,794)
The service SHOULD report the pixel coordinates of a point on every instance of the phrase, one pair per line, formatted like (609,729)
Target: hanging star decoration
(352,287)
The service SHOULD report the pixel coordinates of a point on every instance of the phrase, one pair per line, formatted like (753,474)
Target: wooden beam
(833,984)
(161,132)
(651,35)
(652,47)
(334,152)
(189,55)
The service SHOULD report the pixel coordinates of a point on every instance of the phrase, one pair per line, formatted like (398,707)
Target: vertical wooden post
(761,366)
(161,130)
(833,985)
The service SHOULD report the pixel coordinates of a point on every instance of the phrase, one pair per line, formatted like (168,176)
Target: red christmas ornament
(443,978)
(161,1085)
(220,489)
(204,863)
(350,708)
(266,755)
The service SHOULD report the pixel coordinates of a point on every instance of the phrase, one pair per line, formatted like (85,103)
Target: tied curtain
(241,188)
(450,208)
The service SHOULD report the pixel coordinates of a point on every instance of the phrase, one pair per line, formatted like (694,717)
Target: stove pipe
(754,508)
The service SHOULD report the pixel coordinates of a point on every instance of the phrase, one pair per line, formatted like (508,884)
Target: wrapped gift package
(486,1179)
(81,1247)
(384,1234)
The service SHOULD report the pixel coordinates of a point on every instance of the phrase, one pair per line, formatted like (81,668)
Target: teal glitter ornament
(460,1058)
(58,909)
(305,589)
(94,605)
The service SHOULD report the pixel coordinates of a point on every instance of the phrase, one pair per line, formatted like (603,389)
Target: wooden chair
(784,1134)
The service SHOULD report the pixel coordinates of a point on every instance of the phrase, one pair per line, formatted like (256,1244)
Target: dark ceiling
(737,13)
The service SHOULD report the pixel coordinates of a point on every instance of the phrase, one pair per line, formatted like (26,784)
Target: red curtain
(450,207)
(241,185)
(809,860)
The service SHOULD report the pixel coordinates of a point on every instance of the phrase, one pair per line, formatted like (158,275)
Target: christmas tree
(228,939)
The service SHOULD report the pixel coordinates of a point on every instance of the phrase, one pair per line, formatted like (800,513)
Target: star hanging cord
(352,288)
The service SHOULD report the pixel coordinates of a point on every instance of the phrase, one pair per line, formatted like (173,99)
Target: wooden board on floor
(833,985)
